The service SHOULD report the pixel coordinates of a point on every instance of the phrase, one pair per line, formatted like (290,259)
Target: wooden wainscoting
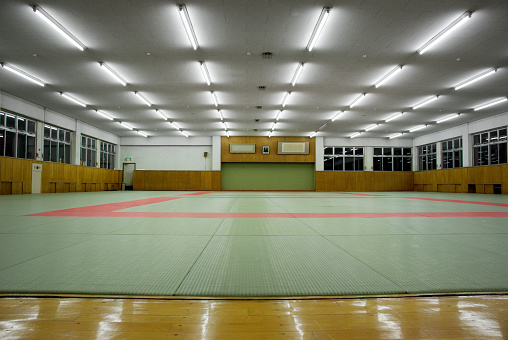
(177,180)
(16,177)
(363,181)
(481,179)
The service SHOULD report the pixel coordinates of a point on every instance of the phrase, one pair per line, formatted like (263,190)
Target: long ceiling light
(73,99)
(355,135)
(142,134)
(357,100)
(425,102)
(126,126)
(475,78)
(173,124)
(447,30)
(112,73)
(183,133)
(388,76)
(371,127)
(57,26)
(159,112)
(204,69)
(319,27)
(337,115)
(286,96)
(298,71)
(278,115)
(395,116)
(497,101)
(214,98)
(448,118)
(143,98)
(396,135)
(23,74)
(219,112)
(184,15)
(273,126)
(313,134)
(103,114)
(418,128)
(227,134)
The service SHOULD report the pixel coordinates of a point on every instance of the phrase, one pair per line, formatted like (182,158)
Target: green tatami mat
(263,227)
(112,264)
(280,266)
(426,263)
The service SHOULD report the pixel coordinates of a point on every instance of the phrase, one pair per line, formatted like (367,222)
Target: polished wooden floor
(430,317)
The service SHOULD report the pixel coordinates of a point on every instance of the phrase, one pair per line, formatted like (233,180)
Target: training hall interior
(254,169)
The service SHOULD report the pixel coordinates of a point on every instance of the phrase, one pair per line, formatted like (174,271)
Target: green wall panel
(267,176)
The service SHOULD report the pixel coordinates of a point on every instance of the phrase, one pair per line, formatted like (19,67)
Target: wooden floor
(431,317)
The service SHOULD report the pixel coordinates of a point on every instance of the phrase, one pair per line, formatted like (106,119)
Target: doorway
(128,175)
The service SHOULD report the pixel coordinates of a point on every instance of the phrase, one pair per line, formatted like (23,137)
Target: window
(427,157)
(343,158)
(17,136)
(451,153)
(490,147)
(57,145)
(392,159)
(108,152)
(88,151)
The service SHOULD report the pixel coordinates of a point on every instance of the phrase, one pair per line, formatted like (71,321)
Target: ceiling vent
(261,88)
(267,55)
(259,107)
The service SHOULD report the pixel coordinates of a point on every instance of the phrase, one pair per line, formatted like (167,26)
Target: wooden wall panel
(176,180)
(363,181)
(273,156)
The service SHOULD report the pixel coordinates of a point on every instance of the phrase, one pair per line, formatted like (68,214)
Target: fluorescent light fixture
(227,133)
(278,115)
(299,70)
(475,78)
(395,116)
(73,99)
(173,124)
(183,133)
(497,101)
(395,135)
(214,98)
(322,126)
(355,135)
(126,125)
(220,115)
(105,115)
(447,30)
(312,135)
(146,101)
(337,115)
(141,133)
(57,26)
(357,100)
(273,126)
(448,118)
(23,74)
(388,76)
(204,69)
(425,102)
(225,126)
(286,96)
(269,134)
(371,127)
(184,15)
(319,27)
(115,75)
(418,128)
(159,112)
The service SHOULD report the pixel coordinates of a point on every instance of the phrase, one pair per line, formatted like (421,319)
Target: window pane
(54,133)
(67,136)
(378,165)
(387,164)
(21,145)
(456,143)
(47,150)
(61,152)
(2,119)
(358,151)
(484,138)
(358,163)
(83,156)
(378,151)
(494,153)
(406,151)
(47,132)
(477,156)
(433,148)
(476,140)
(67,154)
(93,144)
(83,141)
(397,151)
(397,163)
(502,135)
(444,146)
(2,144)
(31,126)
(422,163)
(61,135)
(10,144)
(338,151)
(349,163)
(450,144)
(484,155)
(338,164)
(502,153)
(328,163)
(406,163)
(387,152)
(328,151)
(457,159)
(493,136)
(111,162)
(89,157)
(10,121)
(54,151)
(21,124)
(348,151)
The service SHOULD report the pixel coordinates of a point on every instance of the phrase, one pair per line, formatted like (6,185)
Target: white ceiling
(360,43)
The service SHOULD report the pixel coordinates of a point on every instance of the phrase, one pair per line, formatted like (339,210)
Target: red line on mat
(457,201)
(195,194)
